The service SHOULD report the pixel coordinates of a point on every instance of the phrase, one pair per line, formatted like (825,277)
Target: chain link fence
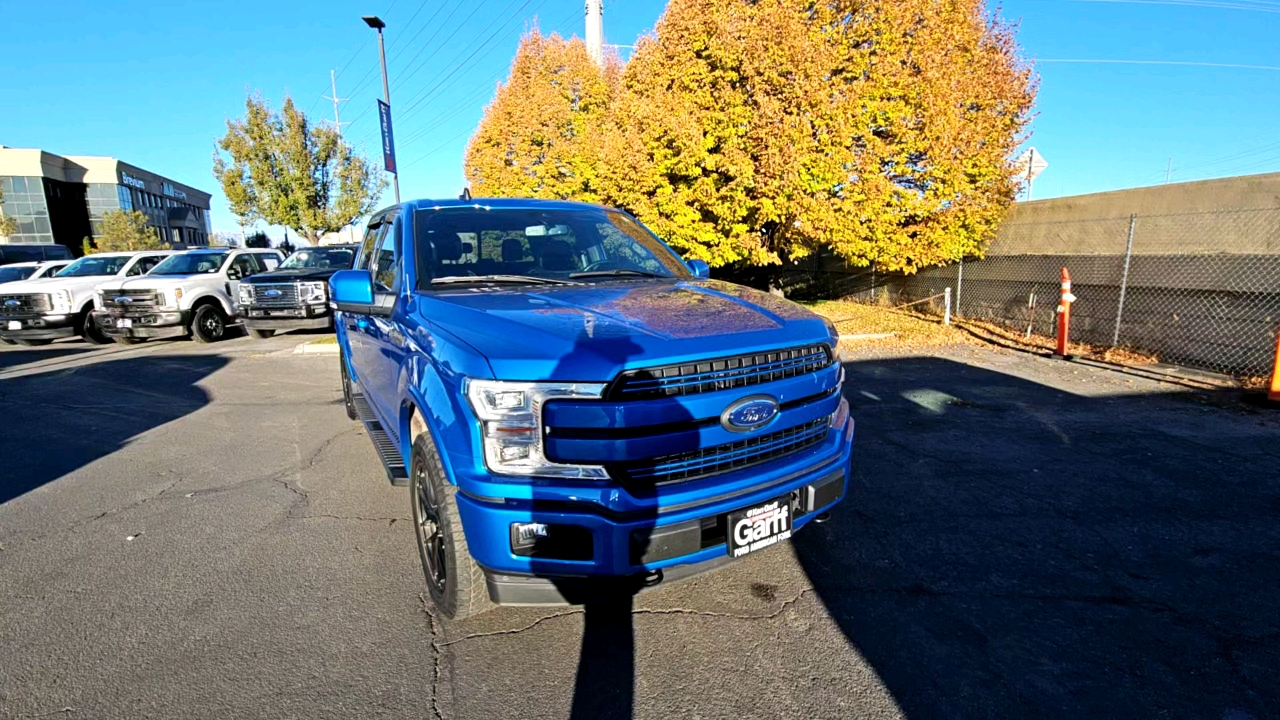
(1197,289)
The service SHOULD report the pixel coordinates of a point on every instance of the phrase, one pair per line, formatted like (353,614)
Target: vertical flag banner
(388,140)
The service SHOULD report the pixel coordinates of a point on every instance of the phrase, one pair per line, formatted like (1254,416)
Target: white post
(946,319)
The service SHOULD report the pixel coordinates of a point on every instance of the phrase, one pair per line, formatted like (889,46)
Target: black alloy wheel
(208,325)
(89,331)
(431,542)
(455,581)
(347,398)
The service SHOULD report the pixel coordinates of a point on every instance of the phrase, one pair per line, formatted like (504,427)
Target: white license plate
(758,527)
(124,323)
(15,325)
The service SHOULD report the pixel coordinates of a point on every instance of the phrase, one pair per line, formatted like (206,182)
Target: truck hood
(50,285)
(160,282)
(290,275)
(589,333)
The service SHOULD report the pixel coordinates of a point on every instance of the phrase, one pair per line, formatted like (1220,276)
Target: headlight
(312,292)
(62,301)
(511,415)
(99,299)
(246,294)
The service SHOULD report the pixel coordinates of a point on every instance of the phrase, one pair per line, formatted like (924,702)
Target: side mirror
(699,268)
(233,273)
(352,291)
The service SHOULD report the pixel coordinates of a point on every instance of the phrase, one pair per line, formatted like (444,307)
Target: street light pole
(376,23)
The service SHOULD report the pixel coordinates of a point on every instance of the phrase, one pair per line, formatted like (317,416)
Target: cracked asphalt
(198,531)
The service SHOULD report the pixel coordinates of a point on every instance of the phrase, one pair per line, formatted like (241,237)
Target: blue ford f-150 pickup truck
(576,411)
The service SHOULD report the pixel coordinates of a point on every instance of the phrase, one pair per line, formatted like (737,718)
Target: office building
(62,199)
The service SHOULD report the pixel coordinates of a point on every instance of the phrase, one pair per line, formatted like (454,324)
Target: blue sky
(153,85)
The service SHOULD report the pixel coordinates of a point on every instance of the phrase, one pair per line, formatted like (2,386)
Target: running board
(387,451)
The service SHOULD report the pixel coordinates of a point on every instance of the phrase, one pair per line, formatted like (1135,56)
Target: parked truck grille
(720,373)
(25,304)
(274,295)
(132,299)
(705,462)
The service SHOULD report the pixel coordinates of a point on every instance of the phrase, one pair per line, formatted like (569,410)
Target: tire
(454,581)
(261,334)
(88,330)
(33,343)
(346,388)
(208,324)
(130,340)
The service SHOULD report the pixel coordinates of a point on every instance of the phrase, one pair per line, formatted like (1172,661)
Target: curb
(316,348)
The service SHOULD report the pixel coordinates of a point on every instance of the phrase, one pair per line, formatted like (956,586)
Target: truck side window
(245,264)
(386,260)
(268,261)
(366,247)
(144,265)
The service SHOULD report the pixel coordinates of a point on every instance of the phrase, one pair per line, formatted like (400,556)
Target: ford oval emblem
(122,300)
(750,413)
(12,303)
(272,293)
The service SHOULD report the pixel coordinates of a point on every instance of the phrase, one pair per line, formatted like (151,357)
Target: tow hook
(652,578)
(822,517)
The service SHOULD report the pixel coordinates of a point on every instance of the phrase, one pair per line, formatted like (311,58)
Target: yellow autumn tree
(763,130)
(540,136)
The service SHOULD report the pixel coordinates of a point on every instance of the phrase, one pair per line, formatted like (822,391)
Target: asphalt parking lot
(199,531)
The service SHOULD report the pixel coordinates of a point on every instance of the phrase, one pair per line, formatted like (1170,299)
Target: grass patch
(326,340)
(859,324)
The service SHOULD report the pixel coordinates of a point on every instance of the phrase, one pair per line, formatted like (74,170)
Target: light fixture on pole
(384,108)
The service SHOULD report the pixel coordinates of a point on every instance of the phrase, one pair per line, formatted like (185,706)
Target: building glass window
(24,201)
(126,200)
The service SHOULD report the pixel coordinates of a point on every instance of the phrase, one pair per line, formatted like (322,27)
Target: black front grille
(25,304)
(131,299)
(273,295)
(719,373)
(705,462)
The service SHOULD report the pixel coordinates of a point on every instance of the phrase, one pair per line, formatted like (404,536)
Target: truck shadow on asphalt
(60,420)
(1007,549)
(21,356)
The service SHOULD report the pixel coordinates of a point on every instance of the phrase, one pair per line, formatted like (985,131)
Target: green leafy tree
(125,230)
(282,169)
(8,225)
(541,135)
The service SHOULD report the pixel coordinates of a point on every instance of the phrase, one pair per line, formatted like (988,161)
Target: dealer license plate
(758,527)
(124,323)
(15,324)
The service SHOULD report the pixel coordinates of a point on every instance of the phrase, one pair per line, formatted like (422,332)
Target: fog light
(525,535)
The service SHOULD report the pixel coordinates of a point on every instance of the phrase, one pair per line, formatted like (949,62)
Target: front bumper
(159,324)
(636,550)
(38,327)
(300,318)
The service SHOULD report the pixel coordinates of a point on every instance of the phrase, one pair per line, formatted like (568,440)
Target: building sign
(174,192)
(131,181)
(388,140)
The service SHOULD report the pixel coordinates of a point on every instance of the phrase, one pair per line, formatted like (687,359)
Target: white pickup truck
(192,293)
(37,312)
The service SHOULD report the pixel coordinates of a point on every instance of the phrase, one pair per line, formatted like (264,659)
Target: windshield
(190,264)
(95,265)
(9,274)
(320,259)
(587,244)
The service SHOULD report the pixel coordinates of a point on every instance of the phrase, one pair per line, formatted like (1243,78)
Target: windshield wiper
(511,279)
(616,273)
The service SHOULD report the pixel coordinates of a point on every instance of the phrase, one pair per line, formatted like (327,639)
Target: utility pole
(337,119)
(1168,171)
(595,31)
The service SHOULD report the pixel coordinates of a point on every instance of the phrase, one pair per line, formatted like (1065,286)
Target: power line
(354,55)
